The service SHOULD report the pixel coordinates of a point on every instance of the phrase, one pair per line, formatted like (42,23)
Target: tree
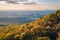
(43,38)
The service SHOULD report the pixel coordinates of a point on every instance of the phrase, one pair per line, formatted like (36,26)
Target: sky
(30,5)
(50,1)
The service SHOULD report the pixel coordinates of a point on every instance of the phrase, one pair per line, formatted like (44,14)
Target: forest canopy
(44,28)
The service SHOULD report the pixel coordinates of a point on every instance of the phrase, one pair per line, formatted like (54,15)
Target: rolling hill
(20,17)
(44,28)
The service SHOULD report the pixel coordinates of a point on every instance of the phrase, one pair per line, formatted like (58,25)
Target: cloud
(27,5)
(21,1)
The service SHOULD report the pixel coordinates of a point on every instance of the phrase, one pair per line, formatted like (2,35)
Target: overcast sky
(30,5)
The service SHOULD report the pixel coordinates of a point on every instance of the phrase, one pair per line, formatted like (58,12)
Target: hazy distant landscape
(17,16)
(39,25)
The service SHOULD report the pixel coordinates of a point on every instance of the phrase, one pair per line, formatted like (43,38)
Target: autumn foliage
(44,28)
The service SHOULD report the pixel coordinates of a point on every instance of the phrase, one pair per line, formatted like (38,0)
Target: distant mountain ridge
(18,13)
(21,16)
(43,28)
